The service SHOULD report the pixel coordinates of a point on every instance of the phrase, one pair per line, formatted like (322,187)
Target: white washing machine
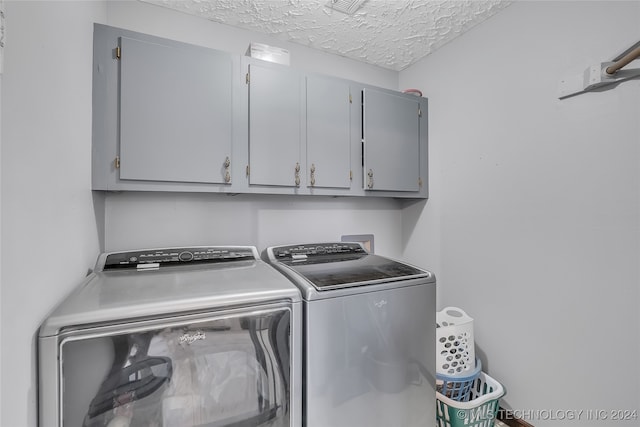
(369,336)
(197,336)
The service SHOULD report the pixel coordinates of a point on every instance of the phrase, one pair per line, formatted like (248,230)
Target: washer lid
(338,265)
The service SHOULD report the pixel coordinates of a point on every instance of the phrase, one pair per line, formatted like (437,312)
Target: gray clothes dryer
(369,336)
(196,336)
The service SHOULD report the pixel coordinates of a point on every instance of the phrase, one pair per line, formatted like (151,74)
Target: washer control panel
(313,249)
(154,258)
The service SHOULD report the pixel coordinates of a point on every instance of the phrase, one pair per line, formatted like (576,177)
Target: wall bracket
(594,79)
(603,76)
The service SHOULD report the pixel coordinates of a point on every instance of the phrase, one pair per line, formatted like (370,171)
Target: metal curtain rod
(625,58)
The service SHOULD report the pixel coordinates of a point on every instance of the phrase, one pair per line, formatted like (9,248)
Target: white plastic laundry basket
(455,346)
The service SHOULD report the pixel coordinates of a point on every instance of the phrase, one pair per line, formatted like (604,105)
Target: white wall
(1,61)
(534,215)
(49,236)
(0,246)
(152,220)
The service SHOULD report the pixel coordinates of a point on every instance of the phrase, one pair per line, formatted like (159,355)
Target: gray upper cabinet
(275,125)
(171,116)
(391,141)
(163,114)
(175,113)
(328,132)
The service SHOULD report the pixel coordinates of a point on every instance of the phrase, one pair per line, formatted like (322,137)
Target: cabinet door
(175,113)
(391,141)
(328,132)
(274,125)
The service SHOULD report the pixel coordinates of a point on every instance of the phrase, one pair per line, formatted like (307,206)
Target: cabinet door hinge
(247,78)
(247,170)
(350,175)
(118,52)
(420,182)
(350,99)
(116,162)
(419,112)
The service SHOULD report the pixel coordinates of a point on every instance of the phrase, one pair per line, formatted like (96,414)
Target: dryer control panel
(154,258)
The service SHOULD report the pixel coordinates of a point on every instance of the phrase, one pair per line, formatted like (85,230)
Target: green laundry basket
(479,411)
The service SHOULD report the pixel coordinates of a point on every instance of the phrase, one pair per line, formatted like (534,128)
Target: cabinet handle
(297,174)
(227,174)
(370,180)
(313,174)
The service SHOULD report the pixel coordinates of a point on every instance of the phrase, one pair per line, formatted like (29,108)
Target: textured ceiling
(392,34)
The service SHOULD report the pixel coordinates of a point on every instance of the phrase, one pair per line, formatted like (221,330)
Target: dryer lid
(169,286)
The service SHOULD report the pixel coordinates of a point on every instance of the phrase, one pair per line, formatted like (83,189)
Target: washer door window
(223,371)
